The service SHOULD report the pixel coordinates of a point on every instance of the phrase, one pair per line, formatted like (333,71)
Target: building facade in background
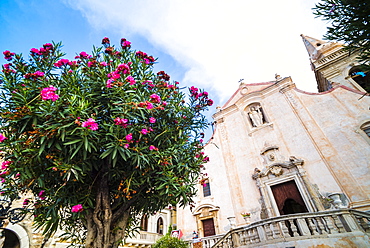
(278,151)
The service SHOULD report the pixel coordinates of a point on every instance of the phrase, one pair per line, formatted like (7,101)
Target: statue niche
(256,115)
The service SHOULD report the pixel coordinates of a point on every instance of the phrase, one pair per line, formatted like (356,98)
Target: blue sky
(211,44)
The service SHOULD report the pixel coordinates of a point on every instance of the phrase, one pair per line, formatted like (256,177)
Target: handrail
(295,226)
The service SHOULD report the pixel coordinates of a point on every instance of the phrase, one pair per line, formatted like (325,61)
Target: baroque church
(288,168)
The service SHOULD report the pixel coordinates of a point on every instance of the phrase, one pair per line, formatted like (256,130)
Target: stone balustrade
(142,239)
(330,225)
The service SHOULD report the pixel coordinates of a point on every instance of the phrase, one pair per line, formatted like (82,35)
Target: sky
(211,44)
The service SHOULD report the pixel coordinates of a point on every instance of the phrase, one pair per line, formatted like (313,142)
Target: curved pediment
(277,168)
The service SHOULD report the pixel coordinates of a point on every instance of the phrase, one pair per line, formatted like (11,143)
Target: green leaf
(77,150)
(72,142)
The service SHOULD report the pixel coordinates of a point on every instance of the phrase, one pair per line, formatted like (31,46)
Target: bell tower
(332,65)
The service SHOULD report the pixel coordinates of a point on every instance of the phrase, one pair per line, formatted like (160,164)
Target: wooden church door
(208,227)
(288,198)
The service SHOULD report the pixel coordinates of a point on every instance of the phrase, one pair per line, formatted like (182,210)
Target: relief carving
(276,170)
(274,163)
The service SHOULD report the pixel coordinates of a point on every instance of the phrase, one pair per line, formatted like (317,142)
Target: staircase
(334,228)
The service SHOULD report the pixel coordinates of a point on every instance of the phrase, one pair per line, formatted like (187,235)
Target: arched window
(160,225)
(361,77)
(366,128)
(144,223)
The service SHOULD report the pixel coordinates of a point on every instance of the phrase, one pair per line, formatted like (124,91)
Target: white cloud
(219,42)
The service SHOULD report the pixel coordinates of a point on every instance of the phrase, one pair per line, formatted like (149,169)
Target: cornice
(285,83)
(330,59)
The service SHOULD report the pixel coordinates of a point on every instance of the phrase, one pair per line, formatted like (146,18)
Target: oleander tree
(97,140)
(349,23)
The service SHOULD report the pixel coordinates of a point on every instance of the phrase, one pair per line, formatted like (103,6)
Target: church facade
(278,151)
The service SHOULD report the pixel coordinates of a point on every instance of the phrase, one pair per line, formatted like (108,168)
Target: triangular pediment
(246,89)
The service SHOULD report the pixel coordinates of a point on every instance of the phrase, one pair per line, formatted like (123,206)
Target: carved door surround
(277,171)
(203,213)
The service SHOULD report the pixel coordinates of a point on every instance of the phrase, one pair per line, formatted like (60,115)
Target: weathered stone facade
(277,150)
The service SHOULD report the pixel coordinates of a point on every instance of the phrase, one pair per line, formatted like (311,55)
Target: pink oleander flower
(131,80)
(149,105)
(8,55)
(152,120)
(121,122)
(126,146)
(77,208)
(129,137)
(5,172)
(105,41)
(84,55)
(49,93)
(114,75)
(2,137)
(41,195)
(48,46)
(155,98)
(144,131)
(5,164)
(109,83)
(61,62)
(163,75)
(90,124)
(124,68)
(39,73)
(26,202)
(125,43)
(103,63)
(164,103)
(35,51)
(153,148)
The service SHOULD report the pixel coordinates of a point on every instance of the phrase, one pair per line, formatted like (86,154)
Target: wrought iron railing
(13,215)
(292,227)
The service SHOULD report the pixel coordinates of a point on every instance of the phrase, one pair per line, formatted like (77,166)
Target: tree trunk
(105,229)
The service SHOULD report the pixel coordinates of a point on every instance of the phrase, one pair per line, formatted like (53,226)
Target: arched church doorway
(293,207)
(11,239)
(288,198)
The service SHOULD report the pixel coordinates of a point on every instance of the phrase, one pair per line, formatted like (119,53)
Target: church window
(206,189)
(160,225)
(144,223)
(361,77)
